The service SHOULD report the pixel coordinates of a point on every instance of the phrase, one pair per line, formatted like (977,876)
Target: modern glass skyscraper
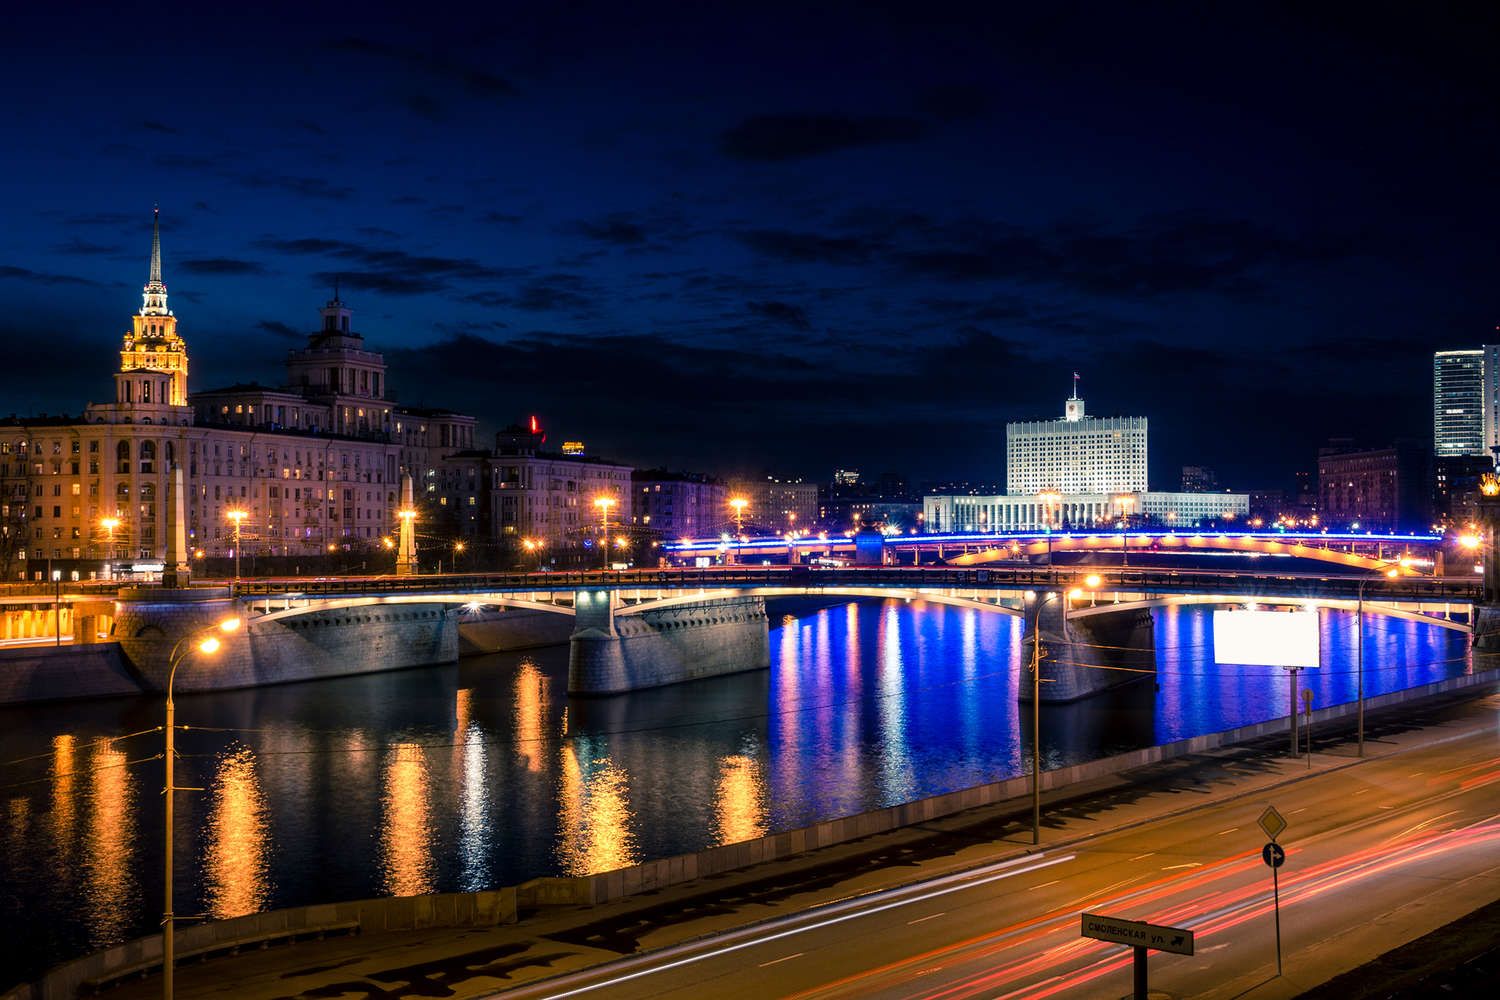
(1458,396)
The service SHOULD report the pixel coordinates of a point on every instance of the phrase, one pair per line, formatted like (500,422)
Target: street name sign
(1273,854)
(1272,822)
(1177,940)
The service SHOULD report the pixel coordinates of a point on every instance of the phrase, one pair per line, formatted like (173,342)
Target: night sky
(774,238)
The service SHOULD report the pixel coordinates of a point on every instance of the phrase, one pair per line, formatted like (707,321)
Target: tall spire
(1075,385)
(154,301)
(156,243)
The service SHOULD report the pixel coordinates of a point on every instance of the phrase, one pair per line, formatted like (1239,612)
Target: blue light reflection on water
(461,778)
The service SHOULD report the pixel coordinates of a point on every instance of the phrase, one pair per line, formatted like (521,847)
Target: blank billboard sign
(1275,638)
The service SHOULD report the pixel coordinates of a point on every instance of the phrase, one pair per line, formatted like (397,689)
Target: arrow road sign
(1177,940)
(1271,822)
(1273,854)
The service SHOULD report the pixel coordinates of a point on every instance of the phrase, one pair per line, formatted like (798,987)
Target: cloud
(279,329)
(43,277)
(616,228)
(220,266)
(499,219)
(302,187)
(154,126)
(390,270)
(781,313)
(774,138)
(805,247)
(81,249)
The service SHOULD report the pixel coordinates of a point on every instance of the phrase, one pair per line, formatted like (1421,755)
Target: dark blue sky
(777,238)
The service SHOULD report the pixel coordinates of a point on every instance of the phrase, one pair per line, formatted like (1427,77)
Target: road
(1377,854)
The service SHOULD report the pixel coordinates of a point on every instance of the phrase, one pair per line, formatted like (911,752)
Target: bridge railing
(1234,582)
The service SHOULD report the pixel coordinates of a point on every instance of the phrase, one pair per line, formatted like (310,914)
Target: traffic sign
(1177,940)
(1272,822)
(1273,854)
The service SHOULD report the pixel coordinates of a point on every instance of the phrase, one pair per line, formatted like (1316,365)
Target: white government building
(1076,472)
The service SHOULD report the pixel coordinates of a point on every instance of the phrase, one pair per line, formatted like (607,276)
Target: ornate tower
(153,362)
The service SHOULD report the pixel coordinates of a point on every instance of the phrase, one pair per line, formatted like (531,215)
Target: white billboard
(1274,638)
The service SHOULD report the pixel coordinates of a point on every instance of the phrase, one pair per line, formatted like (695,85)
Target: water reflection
(595,824)
(109,847)
(532,711)
(64,816)
(739,800)
(472,766)
(405,839)
(235,872)
(895,757)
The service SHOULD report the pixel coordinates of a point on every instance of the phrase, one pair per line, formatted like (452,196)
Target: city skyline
(722,244)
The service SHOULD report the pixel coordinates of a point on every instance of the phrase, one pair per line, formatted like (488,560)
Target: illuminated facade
(314,464)
(670,506)
(1004,513)
(1077,454)
(1463,402)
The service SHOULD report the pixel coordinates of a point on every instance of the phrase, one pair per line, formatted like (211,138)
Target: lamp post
(604,504)
(739,504)
(208,645)
(57,605)
(109,524)
(1036,719)
(1125,502)
(237,516)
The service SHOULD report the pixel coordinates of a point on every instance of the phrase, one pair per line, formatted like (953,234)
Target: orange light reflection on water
(531,714)
(594,828)
(108,862)
(236,880)
(406,834)
(739,801)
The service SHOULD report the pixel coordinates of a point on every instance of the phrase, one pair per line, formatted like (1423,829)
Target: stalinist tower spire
(153,360)
(154,301)
(156,243)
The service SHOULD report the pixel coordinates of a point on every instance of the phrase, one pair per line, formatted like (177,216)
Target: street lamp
(739,504)
(1036,716)
(209,644)
(237,516)
(1125,501)
(109,524)
(604,504)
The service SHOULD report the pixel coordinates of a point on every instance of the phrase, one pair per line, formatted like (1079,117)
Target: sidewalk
(474,962)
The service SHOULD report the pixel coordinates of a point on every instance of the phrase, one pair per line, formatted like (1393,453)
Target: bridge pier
(612,653)
(1084,656)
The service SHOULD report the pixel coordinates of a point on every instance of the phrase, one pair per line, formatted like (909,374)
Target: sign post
(1307,700)
(1274,854)
(1140,936)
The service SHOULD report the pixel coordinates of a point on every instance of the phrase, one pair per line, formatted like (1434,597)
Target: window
(122,458)
(148,457)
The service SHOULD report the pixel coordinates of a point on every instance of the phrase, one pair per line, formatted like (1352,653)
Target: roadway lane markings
(1140,856)
(930,916)
(778,961)
(1296,811)
(965,880)
(1233,829)
(1417,774)
(1190,864)
(1414,829)
(1044,885)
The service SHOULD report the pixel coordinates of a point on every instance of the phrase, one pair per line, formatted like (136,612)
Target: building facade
(1458,403)
(314,465)
(1078,511)
(1379,489)
(1077,454)
(774,506)
(670,506)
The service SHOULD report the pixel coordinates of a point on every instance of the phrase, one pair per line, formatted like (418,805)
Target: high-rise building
(1385,489)
(1458,402)
(1077,454)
